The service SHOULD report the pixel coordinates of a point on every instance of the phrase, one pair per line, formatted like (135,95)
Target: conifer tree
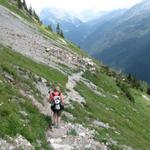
(19,4)
(30,11)
(129,77)
(40,22)
(58,29)
(148,91)
(36,16)
(61,34)
(49,28)
(24,5)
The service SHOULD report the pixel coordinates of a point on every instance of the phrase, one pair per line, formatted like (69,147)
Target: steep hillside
(21,81)
(103,109)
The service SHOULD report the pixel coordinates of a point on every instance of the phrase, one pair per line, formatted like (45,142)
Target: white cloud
(81,5)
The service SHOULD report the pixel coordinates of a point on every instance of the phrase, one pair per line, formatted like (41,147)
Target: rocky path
(73,136)
(72,94)
(68,136)
(93,87)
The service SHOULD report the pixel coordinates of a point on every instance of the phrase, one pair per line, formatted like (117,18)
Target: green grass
(47,33)
(77,49)
(13,58)
(12,122)
(72,132)
(21,82)
(32,126)
(132,125)
(132,121)
(103,81)
(128,117)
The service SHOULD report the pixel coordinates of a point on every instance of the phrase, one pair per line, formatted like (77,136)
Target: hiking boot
(56,126)
(49,127)
(53,124)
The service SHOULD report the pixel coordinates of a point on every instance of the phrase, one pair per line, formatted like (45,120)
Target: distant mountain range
(119,38)
(124,42)
(83,32)
(67,20)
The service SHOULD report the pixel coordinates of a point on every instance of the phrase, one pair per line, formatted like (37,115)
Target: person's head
(56,88)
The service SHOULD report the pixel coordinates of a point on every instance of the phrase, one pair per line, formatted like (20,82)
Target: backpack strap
(55,95)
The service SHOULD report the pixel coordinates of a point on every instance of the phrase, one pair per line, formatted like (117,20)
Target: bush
(72,132)
(148,91)
(143,86)
(125,89)
(138,84)
(19,4)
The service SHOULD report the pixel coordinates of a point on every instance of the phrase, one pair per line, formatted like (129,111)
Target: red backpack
(56,101)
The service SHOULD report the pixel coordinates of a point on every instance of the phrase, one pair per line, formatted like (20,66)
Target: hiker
(56,99)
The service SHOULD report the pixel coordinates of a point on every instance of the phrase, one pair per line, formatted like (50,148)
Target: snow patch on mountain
(66,18)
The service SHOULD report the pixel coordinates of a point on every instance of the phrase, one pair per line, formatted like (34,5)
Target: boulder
(101,124)
(47,49)
(8,77)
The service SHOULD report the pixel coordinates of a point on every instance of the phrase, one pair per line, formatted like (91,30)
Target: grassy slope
(119,113)
(12,122)
(131,120)
(10,57)
(12,101)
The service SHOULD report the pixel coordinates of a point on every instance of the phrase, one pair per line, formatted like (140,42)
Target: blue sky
(81,5)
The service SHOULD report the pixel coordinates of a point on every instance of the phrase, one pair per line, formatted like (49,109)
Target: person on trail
(56,99)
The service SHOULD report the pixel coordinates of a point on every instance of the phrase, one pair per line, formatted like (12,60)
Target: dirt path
(68,136)
(72,94)
(73,136)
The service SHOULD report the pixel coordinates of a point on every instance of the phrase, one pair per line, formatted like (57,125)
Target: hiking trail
(72,94)
(62,138)
(68,136)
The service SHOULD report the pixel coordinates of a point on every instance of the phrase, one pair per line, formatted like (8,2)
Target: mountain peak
(66,19)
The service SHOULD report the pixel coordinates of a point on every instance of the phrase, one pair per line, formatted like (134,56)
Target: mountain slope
(79,34)
(18,114)
(132,58)
(132,21)
(128,38)
(103,109)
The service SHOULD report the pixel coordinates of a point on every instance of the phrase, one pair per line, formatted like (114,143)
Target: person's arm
(51,97)
(62,98)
